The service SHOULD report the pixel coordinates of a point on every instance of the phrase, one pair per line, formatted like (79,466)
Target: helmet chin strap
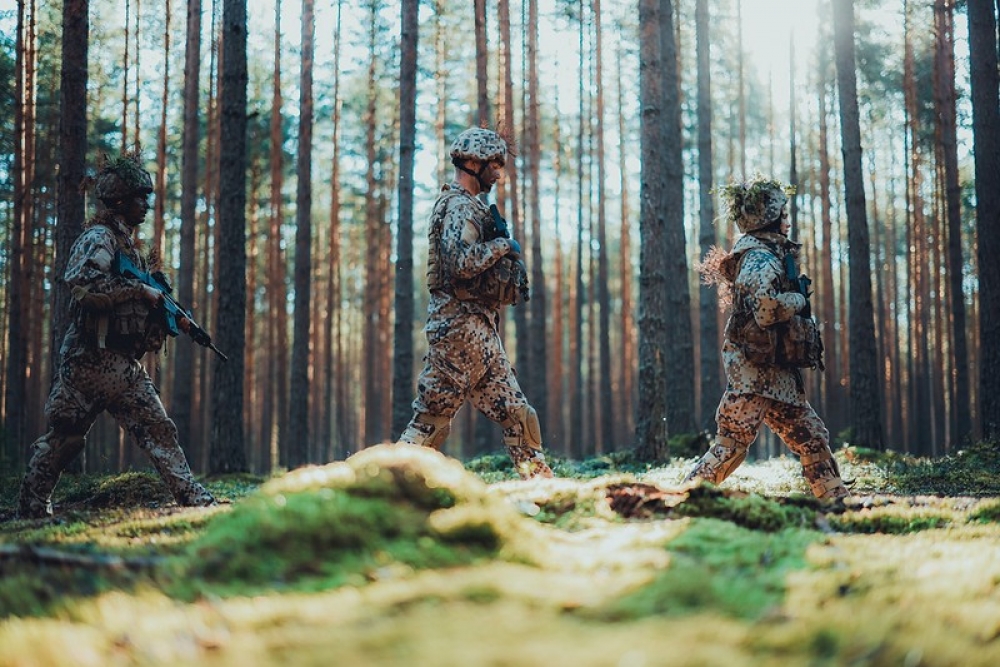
(483,186)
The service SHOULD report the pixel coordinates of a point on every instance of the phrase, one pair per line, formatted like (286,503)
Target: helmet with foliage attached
(121,177)
(756,203)
(478,143)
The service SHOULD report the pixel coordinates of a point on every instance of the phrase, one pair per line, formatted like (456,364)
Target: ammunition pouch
(500,285)
(793,344)
(131,328)
(801,344)
(758,345)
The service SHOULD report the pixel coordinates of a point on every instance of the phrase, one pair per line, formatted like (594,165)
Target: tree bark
(402,368)
(651,410)
(298,416)
(986,141)
(227,447)
(866,418)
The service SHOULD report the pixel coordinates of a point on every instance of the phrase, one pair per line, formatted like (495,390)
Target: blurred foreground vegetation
(400,556)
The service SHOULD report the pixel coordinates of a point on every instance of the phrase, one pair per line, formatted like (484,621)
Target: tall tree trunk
(371,395)
(826,288)
(651,410)
(15,416)
(227,447)
(576,380)
(159,204)
(627,382)
(605,392)
(181,394)
(333,377)
(251,388)
(944,99)
(402,368)
(538,354)
(482,64)
(298,416)
(986,141)
(72,159)
(276,397)
(866,418)
(680,353)
(711,385)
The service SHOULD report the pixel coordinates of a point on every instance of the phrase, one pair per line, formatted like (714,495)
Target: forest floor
(400,556)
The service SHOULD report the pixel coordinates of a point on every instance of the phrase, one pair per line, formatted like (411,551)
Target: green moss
(717,566)
(987,513)
(974,470)
(888,522)
(751,511)
(323,527)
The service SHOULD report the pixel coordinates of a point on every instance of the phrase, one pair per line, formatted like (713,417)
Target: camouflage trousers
(89,381)
(466,361)
(739,417)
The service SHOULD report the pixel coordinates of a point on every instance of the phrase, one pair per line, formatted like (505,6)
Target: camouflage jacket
(108,310)
(760,287)
(457,223)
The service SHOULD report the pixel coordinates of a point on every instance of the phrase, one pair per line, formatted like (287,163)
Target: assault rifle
(171,309)
(801,282)
(500,230)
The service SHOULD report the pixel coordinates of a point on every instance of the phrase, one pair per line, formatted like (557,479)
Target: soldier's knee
(525,419)
(427,430)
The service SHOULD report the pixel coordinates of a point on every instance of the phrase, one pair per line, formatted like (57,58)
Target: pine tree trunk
(708,370)
(986,140)
(680,351)
(227,446)
(73,152)
(651,410)
(298,416)
(866,420)
(402,369)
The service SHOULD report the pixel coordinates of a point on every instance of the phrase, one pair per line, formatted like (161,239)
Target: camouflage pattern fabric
(739,417)
(91,379)
(765,393)
(478,143)
(760,287)
(465,358)
(109,310)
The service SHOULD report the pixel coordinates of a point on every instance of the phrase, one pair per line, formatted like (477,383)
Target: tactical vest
(796,343)
(494,287)
(130,327)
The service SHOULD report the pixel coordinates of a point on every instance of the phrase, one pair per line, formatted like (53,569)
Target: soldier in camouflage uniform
(760,389)
(470,280)
(114,322)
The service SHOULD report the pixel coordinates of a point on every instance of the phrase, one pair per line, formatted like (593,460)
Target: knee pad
(427,430)
(719,462)
(531,430)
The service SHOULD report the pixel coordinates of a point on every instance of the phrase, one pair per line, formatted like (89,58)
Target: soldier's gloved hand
(515,249)
(184,324)
(152,295)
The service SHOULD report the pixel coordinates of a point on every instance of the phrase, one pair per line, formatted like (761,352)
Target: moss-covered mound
(387,509)
(974,470)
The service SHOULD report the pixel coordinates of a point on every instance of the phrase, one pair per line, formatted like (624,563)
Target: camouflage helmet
(478,143)
(122,177)
(756,203)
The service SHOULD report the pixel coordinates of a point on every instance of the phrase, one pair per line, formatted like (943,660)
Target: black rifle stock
(172,310)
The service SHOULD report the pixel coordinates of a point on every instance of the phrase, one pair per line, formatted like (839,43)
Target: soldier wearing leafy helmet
(114,321)
(765,346)
(471,278)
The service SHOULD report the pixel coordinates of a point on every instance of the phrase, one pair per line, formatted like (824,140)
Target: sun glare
(769,26)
